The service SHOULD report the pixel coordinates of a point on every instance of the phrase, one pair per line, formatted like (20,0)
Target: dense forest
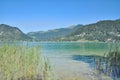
(106,30)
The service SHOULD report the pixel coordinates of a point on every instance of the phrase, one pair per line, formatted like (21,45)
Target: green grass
(22,62)
(110,66)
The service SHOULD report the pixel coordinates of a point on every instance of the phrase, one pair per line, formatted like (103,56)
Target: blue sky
(39,15)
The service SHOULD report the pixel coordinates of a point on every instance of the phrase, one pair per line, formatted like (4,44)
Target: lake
(73,60)
(70,60)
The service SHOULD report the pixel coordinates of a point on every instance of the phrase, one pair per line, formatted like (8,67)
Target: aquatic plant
(22,62)
(110,66)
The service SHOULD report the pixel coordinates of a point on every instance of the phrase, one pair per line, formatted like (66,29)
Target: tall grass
(110,65)
(22,62)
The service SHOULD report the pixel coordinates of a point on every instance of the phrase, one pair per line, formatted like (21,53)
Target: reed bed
(22,62)
(110,65)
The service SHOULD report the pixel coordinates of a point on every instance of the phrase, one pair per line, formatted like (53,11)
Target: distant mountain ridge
(10,33)
(105,30)
(53,34)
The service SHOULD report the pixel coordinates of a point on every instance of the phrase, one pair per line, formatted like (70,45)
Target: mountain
(10,33)
(106,30)
(53,34)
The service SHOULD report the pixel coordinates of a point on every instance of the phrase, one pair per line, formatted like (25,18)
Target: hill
(106,30)
(53,34)
(10,33)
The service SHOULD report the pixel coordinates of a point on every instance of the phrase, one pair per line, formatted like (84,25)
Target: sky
(42,15)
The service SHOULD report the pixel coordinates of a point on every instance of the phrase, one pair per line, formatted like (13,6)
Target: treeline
(107,30)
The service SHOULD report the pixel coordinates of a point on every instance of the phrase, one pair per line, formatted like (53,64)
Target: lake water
(70,59)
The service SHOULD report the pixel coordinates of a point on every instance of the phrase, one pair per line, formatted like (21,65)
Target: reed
(22,62)
(110,65)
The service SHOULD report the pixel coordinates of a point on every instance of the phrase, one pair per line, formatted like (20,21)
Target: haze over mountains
(53,34)
(105,30)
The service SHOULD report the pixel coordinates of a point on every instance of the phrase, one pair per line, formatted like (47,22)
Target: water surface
(71,59)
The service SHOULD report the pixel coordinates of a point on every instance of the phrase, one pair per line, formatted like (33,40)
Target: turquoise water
(64,56)
(72,48)
(72,59)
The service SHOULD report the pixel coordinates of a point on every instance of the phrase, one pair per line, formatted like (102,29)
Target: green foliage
(111,64)
(8,33)
(108,30)
(22,62)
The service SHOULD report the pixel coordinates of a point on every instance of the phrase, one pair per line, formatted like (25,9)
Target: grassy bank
(22,62)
